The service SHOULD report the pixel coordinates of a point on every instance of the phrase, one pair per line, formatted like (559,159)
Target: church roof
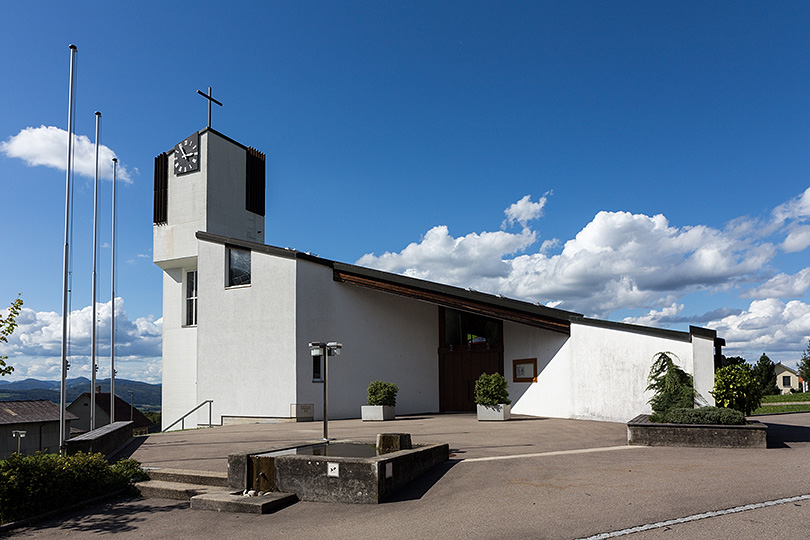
(490,305)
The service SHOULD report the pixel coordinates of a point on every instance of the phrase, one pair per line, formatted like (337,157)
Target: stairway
(207,490)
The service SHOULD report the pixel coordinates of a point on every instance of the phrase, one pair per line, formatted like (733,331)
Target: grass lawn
(782,408)
(786,398)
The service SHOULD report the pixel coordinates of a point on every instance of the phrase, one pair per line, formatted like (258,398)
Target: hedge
(32,485)
(703,415)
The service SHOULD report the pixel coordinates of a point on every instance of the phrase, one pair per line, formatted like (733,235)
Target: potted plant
(382,398)
(492,397)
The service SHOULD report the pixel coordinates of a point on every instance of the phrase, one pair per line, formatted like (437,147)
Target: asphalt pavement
(526,478)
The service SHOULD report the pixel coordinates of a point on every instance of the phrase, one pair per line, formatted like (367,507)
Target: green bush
(704,415)
(735,387)
(31,485)
(382,393)
(672,386)
(491,390)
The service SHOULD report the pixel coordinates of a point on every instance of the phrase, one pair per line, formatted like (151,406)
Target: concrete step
(162,489)
(184,476)
(229,502)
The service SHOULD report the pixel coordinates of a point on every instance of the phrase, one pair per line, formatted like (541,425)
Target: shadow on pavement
(129,448)
(417,489)
(123,515)
(779,435)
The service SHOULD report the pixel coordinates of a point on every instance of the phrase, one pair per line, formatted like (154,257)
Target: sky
(645,162)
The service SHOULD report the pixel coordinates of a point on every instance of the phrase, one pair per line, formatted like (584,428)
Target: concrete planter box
(640,431)
(376,413)
(488,413)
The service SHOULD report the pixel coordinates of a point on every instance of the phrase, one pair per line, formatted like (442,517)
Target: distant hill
(146,397)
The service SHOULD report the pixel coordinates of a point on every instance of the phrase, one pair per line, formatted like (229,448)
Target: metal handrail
(182,419)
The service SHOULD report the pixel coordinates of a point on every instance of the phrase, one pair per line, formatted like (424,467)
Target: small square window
(238,267)
(785,380)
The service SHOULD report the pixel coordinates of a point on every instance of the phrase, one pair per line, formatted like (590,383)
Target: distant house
(39,419)
(123,412)
(787,379)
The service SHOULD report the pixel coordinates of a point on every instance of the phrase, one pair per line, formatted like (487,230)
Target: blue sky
(663,148)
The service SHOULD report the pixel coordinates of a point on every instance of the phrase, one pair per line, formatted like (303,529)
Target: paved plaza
(527,478)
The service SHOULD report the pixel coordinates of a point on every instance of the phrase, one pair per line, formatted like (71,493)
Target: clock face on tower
(187,154)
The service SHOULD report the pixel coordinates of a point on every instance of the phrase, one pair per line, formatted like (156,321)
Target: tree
(804,364)
(7,326)
(733,361)
(673,387)
(765,373)
(735,387)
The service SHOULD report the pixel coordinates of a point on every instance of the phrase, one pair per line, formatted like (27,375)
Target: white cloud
(617,261)
(797,239)
(35,347)
(467,259)
(524,211)
(768,325)
(797,208)
(782,286)
(47,146)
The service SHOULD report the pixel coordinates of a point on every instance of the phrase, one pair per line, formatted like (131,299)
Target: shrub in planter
(673,387)
(382,393)
(735,387)
(704,415)
(491,390)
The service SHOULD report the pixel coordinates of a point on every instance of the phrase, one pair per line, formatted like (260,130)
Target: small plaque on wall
(524,370)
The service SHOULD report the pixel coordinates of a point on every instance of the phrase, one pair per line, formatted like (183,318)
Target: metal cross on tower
(210,99)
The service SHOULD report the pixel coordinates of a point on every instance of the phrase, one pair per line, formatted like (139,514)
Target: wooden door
(474,345)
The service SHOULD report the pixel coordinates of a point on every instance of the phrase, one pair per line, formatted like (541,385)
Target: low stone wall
(106,439)
(640,431)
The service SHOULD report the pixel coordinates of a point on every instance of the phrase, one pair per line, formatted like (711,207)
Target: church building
(238,317)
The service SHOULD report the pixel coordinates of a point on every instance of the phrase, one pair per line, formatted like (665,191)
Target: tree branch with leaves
(7,326)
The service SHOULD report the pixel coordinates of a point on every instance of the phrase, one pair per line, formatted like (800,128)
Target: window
(238,267)
(475,331)
(785,380)
(191,298)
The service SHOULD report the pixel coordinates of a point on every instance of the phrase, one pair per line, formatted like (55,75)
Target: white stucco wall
(246,336)
(612,367)
(551,394)
(185,215)
(179,390)
(598,373)
(703,368)
(385,337)
(224,165)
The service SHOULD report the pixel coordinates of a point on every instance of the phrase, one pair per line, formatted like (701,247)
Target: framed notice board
(524,370)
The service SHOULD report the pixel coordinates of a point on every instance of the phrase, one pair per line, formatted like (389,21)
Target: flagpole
(112,294)
(93,364)
(66,252)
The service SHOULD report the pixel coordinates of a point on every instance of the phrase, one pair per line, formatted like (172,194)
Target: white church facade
(238,317)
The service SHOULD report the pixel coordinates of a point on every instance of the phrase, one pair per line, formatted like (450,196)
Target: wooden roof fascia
(455,302)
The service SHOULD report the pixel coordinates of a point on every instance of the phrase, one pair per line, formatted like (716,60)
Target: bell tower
(207,182)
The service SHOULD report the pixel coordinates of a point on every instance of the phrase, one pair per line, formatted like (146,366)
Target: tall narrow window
(238,267)
(191,298)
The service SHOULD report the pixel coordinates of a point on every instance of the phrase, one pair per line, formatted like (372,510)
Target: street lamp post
(19,434)
(324,350)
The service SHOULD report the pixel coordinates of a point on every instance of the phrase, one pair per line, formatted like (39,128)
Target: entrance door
(469,346)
